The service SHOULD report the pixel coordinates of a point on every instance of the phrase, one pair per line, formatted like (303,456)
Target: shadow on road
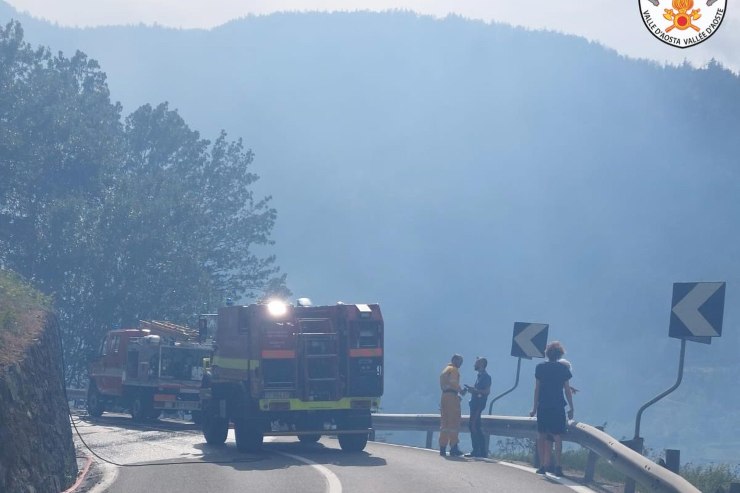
(272,456)
(125,422)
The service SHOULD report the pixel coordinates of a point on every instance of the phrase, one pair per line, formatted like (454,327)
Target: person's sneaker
(443,451)
(541,470)
(455,452)
(558,471)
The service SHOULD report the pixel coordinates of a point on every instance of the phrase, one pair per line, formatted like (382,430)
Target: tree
(119,221)
(182,221)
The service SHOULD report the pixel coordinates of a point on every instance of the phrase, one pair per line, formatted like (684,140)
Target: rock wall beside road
(36,450)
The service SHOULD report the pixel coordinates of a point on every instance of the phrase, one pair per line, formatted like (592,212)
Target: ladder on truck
(319,344)
(168,329)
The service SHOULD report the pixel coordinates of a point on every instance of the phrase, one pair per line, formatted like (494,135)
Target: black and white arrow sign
(697,310)
(529,340)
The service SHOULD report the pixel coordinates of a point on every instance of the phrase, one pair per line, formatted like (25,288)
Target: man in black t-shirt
(552,380)
(478,397)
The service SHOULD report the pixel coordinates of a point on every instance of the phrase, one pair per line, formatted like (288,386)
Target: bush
(18,302)
(515,449)
(711,478)
(17,297)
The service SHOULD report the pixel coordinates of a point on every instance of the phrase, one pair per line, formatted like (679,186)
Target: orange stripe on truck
(164,397)
(367,352)
(277,353)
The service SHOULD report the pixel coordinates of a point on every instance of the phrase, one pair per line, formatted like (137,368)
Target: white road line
(564,481)
(579,488)
(332,481)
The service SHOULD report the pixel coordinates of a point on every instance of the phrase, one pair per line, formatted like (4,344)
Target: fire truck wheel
(95,405)
(141,409)
(309,438)
(215,430)
(154,413)
(353,443)
(248,436)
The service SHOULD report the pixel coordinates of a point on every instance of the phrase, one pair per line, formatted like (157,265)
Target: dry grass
(22,315)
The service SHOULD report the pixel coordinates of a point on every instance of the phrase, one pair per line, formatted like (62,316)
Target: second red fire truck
(153,368)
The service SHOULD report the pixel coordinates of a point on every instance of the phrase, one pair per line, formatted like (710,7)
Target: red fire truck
(156,367)
(302,371)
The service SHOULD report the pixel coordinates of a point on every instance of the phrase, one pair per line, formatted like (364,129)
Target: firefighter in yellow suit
(449,382)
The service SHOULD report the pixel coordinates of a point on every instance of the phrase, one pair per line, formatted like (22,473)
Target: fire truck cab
(304,371)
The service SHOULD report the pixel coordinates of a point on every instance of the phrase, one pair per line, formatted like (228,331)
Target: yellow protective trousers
(449,425)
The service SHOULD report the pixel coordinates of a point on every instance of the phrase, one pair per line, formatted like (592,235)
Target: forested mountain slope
(467,176)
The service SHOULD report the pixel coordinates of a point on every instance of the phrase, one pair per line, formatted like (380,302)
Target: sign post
(528,341)
(697,310)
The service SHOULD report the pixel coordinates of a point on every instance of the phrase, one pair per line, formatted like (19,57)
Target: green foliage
(17,296)
(514,449)
(8,321)
(121,221)
(578,458)
(16,299)
(712,477)
(708,478)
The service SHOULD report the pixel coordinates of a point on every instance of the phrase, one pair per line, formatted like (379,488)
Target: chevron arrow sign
(529,340)
(697,311)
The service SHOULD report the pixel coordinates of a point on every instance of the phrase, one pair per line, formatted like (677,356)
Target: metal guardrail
(646,472)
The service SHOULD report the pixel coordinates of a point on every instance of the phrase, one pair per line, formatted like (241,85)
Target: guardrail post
(430,437)
(487,444)
(673,460)
(588,474)
(590,470)
(635,444)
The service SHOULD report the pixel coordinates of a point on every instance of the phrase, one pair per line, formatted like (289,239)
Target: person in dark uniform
(552,379)
(478,397)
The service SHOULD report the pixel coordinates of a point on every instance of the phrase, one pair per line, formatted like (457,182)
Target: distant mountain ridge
(468,176)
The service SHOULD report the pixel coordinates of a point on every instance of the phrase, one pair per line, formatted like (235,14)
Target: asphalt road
(169,456)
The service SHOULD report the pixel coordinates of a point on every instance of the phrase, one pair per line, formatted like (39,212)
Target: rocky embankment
(36,450)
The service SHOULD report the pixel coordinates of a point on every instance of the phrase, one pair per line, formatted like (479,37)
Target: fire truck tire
(248,436)
(215,430)
(95,406)
(353,443)
(154,413)
(309,438)
(141,408)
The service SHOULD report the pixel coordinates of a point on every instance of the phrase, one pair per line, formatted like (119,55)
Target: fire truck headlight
(277,308)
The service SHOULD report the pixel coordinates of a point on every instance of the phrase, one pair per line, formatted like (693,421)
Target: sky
(620,28)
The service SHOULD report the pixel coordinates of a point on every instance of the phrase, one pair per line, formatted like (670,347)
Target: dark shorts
(551,420)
